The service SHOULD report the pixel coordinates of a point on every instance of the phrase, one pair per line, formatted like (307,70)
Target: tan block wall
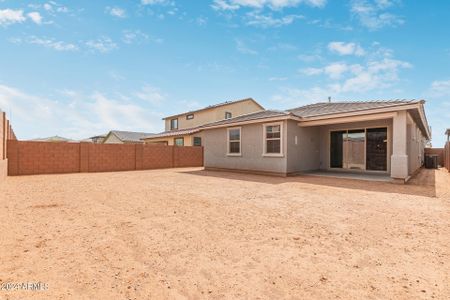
(215,114)
(436,151)
(26,158)
(6,133)
(447,156)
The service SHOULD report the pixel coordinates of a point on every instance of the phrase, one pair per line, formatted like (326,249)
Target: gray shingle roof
(326,108)
(129,136)
(249,117)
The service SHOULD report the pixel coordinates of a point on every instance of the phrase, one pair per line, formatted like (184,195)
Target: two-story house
(182,129)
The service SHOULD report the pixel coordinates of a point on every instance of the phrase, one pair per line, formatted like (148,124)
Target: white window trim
(240,141)
(281,154)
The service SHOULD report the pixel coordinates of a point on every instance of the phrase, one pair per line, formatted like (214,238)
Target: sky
(81,68)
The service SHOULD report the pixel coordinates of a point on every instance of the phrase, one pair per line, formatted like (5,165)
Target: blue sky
(80,68)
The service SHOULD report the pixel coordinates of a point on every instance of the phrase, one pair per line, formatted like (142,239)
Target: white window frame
(240,141)
(281,154)
(231,115)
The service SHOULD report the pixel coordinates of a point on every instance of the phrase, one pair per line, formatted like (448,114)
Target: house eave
(255,121)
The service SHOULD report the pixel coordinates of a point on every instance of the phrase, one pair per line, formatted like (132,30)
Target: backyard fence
(436,151)
(6,133)
(27,158)
(447,156)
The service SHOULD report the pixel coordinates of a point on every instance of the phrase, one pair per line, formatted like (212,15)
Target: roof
(265,114)
(215,106)
(129,136)
(98,136)
(55,138)
(324,109)
(172,133)
(327,108)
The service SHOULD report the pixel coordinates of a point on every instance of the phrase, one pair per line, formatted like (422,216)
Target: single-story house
(386,137)
(124,137)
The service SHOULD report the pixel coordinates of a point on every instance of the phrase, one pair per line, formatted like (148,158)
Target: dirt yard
(187,233)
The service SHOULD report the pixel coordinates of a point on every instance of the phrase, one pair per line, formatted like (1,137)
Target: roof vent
(329,99)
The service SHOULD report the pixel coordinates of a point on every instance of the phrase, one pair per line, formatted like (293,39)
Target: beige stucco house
(183,129)
(382,137)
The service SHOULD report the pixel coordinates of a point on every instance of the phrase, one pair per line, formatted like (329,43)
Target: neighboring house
(182,129)
(98,139)
(124,137)
(53,139)
(386,137)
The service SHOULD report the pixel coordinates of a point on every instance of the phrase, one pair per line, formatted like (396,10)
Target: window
(178,141)
(228,115)
(197,141)
(189,117)
(234,141)
(173,124)
(272,139)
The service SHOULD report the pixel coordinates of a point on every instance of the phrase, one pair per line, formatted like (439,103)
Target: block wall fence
(447,156)
(29,158)
(6,133)
(436,151)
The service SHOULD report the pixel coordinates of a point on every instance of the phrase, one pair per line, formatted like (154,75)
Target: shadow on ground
(422,184)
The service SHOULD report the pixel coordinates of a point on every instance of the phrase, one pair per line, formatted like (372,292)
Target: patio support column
(399,158)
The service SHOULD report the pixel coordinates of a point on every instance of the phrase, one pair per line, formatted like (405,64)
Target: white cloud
(150,94)
(35,17)
(342,48)
(102,45)
(151,2)
(243,48)
(46,42)
(260,4)
(116,12)
(294,97)
(278,78)
(75,115)
(309,57)
(136,36)
(312,71)
(265,21)
(201,21)
(10,16)
(52,7)
(440,88)
(372,14)
(345,79)
(48,7)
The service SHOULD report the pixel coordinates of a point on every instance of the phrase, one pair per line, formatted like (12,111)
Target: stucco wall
(214,114)
(325,133)
(215,154)
(303,152)
(188,140)
(112,139)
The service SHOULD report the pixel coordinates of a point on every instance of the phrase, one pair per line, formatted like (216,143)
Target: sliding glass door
(377,149)
(336,149)
(359,149)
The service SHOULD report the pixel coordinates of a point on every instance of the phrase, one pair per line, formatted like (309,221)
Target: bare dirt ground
(187,233)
